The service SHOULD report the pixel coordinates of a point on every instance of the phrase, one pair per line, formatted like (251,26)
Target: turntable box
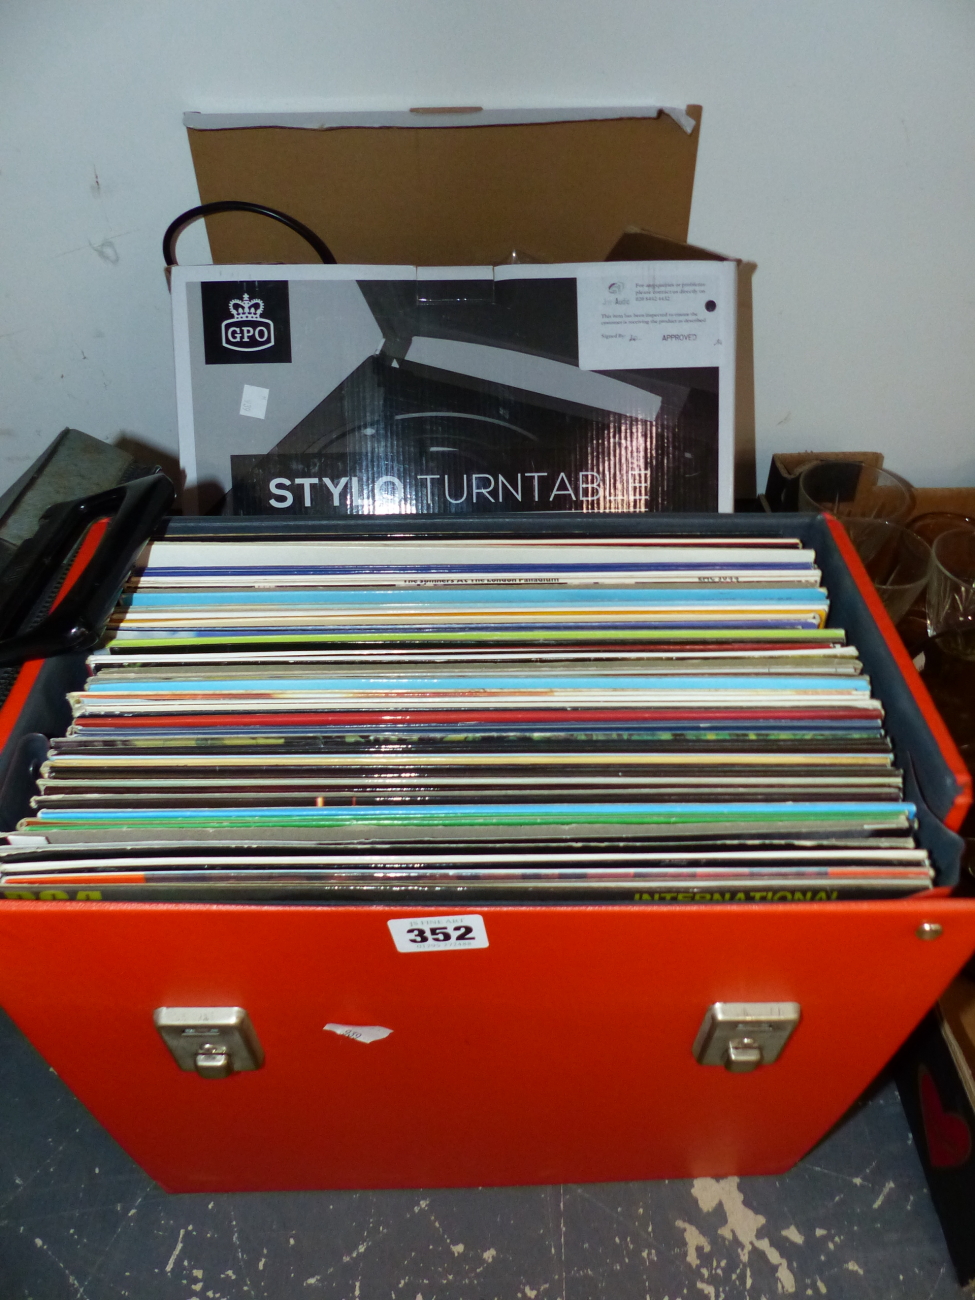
(516,321)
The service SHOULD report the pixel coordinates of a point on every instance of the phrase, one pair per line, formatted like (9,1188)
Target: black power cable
(239,205)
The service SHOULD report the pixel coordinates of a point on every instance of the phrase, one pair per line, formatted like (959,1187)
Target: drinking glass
(948,670)
(898,562)
(848,489)
(936,522)
(913,627)
(951,597)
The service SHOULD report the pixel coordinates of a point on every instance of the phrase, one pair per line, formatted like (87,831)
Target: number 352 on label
(439,933)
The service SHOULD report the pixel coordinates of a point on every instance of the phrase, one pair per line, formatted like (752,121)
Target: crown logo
(246,308)
(246,330)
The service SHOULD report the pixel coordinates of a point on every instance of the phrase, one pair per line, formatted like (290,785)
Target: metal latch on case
(213,1041)
(741,1036)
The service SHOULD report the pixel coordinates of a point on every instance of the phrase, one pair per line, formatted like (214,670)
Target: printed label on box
(650,317)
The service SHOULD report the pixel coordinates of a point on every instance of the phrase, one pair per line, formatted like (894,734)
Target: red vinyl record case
(561,1052)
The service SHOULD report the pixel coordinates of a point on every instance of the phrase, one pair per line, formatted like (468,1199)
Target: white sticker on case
(253,401)
(360,1033)
(439,933)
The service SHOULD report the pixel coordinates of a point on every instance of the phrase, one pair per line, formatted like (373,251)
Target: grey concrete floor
(79,1220)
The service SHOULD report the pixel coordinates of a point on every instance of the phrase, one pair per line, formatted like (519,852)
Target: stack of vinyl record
(508,720)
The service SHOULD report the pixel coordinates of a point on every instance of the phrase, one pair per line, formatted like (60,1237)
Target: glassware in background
(913,627)
(950,677)
(848,489)
(898,562)
(947,658)
(951,596)
(932,525)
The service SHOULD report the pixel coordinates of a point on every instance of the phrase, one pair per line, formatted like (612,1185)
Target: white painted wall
(838,153)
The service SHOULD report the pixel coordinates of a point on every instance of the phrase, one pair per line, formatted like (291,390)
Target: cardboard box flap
(437,116)
(466,194)
(636,245)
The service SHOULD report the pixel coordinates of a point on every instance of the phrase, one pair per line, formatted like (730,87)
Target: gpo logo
(245,322)
(247,330)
